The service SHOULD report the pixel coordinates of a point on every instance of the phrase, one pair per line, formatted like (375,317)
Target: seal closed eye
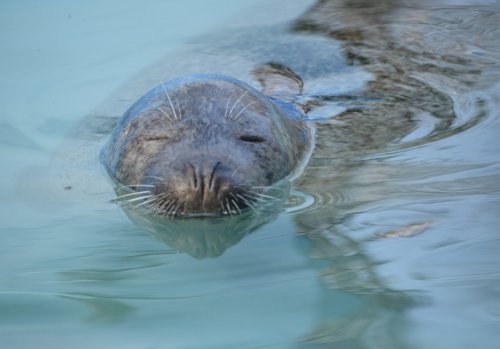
(208,144)
(252,139)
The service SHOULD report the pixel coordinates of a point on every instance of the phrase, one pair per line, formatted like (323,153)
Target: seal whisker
(242,110)
(238,199)
(131,194)
(251,198)
(247,202)
(138,185)
(258,199)
(261,195)
(167,115)
(234,172)
(178,209)
(264,196)
(147,203)
(170,101)
(154,177)
(139,198)
(158,202)
(227,105)
(163,202)
(178,108)
(235,103)
(265,202)
(164,198)
(129,201)
(228,208)
(174,211)
(168,213)
(152,201)
(235,205)
(167,205)
(159,207)
(269,187)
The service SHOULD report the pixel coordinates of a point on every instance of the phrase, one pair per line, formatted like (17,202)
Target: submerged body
(207,144)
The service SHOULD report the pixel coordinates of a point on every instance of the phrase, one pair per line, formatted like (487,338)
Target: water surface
(390,235)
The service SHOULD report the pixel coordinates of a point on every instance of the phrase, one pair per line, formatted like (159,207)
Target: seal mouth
(167,204)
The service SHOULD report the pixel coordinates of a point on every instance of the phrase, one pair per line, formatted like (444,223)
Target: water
(391,234)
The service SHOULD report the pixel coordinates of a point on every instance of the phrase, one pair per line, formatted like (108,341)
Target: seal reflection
(208,235)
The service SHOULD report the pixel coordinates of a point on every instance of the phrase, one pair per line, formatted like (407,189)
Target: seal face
(204,144)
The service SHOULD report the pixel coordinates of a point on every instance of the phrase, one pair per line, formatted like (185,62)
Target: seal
(208,143)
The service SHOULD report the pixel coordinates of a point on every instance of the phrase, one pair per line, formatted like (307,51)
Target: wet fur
(201,136)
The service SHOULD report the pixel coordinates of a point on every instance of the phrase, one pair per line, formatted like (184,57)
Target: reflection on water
(425,60)
(203,237)
(389,238)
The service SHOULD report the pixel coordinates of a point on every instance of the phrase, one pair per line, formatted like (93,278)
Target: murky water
(389,238)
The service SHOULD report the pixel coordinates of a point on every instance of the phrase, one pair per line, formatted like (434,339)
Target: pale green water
(419,144)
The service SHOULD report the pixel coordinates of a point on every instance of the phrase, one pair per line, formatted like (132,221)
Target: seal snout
(205,185)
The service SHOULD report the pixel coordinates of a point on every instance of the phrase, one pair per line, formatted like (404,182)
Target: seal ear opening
(278,80)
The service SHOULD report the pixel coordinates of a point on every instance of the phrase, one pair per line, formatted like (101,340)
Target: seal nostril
(212,176)
(194,175)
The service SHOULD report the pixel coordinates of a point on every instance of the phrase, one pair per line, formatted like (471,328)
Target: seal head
(204,144)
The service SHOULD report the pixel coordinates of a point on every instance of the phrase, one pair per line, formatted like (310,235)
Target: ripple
(436,134)
(300,202)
